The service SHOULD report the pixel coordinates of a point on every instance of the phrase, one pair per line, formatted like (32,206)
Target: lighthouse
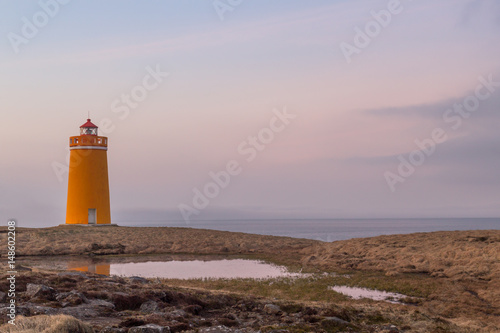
(88,185)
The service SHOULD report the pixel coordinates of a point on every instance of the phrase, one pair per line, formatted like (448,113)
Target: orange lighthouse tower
(88,185)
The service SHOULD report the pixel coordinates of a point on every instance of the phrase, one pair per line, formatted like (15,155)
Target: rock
(391,329)
(102,303)
(71,299)
(199,322)
(272,309)
(332,322)
(82,311)
(149,306)
(179,327)
(94,308)
(40,291)
(109,329)
(149,328)
(23,311)
(216,329)
(227,322)
(312,319)
(132,322)
(20,310)
(138,279)
(39,309)
(124,301)
(3,296)
(193,309)
(178,313)
(62,296)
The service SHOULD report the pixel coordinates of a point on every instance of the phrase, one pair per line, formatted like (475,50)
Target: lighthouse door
(92,216)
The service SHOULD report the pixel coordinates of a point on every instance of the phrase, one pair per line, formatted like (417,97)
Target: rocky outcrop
(122,305)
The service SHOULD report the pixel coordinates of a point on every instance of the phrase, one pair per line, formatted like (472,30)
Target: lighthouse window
(88,131)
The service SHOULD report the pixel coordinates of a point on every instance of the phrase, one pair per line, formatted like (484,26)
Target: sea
(332,229)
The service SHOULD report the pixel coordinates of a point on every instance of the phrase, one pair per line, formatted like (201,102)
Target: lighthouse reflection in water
(82,266)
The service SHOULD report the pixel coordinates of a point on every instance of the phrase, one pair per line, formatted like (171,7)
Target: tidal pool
(377,295)
(193,269)
(170,267)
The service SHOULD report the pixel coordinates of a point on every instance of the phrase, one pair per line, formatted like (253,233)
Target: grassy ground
(315,287)
(455,275)
(305,305)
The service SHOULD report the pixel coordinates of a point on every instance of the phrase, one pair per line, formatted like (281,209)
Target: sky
(298,109)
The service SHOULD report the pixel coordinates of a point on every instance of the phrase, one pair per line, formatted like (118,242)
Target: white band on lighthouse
(89,147)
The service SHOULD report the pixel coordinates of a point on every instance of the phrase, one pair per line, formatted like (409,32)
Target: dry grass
(457,272)
(466,261)
(314,287)
(47,324)
(455,254)
(128,240)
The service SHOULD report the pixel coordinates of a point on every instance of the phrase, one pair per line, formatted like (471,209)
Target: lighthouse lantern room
(88,128)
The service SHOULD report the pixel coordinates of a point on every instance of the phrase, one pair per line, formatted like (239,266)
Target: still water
(170,267)
(193,269)
(377,295)
(331,230)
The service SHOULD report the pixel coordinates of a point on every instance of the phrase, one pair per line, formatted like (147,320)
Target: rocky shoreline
(117,304)
(456,276)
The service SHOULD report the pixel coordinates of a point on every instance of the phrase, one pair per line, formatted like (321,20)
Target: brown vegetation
(117,304)
(456,274)
(48,324)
